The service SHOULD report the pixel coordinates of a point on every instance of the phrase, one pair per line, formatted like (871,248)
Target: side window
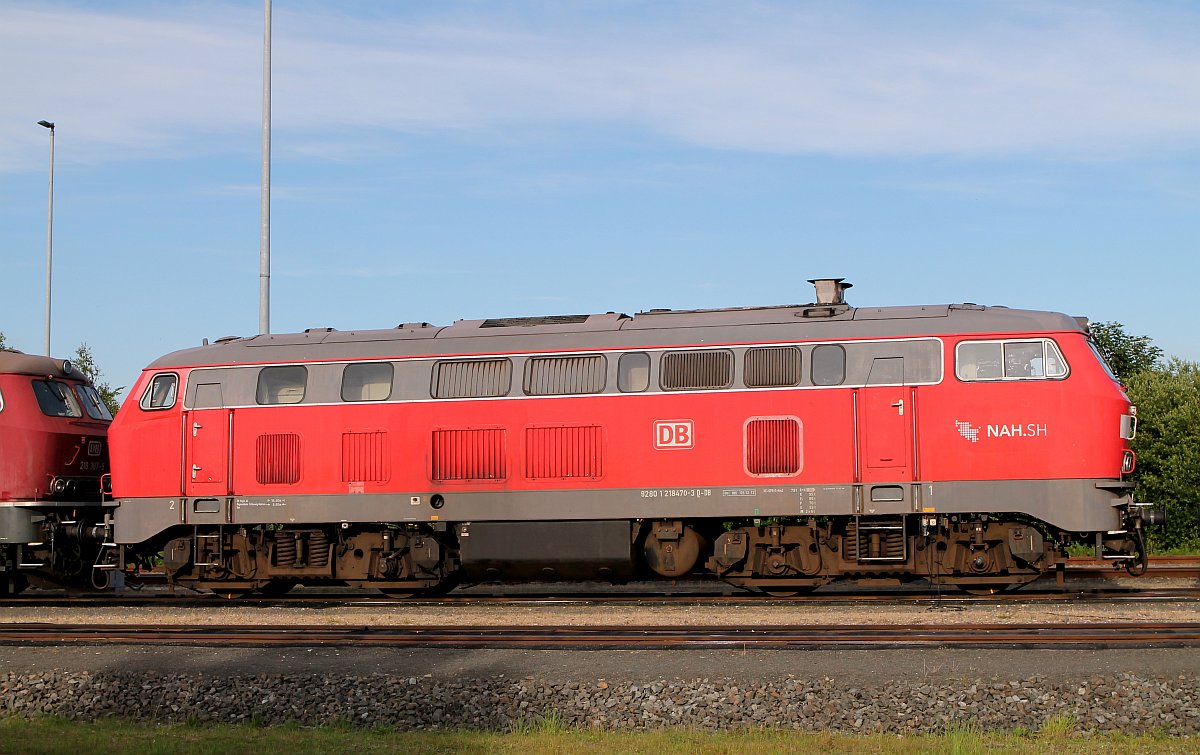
(477,378)
(371,381)
(1009,360)
(562,376)
(772,367)
(979,361)
(281,385)
(56,399)
(92,403)
(828,365)
(696,370)
(160,394)
(633,372)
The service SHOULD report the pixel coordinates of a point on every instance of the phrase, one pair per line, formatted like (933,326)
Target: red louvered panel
(773,446)
(559,452)
(469,455)
(365,457)
(278,459)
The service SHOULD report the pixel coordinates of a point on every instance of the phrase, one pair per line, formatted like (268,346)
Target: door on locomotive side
(207,429)
(885,423)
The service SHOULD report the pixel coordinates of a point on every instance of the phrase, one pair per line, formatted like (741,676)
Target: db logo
(674,433)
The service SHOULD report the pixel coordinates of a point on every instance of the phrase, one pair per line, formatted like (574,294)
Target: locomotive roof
(654,328)
(19,363)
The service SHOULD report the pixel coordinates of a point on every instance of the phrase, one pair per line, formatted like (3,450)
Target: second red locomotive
(776,448)
(53,454)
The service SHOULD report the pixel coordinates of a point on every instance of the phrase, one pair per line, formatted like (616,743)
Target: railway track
(320,599)
(1079,636)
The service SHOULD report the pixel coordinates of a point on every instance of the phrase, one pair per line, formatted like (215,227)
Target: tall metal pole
(49,235)
(264,254)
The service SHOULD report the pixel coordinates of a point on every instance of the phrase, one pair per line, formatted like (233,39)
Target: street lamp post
(49,233)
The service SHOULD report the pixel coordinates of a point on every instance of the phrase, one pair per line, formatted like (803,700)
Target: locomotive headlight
(59,486)
(1128,462)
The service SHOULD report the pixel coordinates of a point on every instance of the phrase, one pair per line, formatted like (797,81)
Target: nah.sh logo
(674,433)
(1018,430)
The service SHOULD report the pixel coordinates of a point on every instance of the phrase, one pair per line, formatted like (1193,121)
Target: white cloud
(906,79)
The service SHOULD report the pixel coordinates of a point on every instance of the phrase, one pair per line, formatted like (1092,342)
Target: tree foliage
(3,343)
(1127,355)
(87,365)
(1168,448)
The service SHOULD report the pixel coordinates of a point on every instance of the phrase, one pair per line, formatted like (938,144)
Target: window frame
(259,394)
(146,401)
(1046,343)
(70,394)
(622,384)
(812,364)
(391,381)
(94,400)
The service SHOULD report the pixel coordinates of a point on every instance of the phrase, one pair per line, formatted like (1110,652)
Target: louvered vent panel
(278,459)
(696,370)
(557,376)
(477,378)
(468,455)
(559,452)
(365,457)
(772,367)
(773,447)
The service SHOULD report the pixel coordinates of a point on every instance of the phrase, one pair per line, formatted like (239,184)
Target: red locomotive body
(53,436)
(776,448)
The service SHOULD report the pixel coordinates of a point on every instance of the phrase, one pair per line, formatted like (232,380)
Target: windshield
(92,403)
(56,399)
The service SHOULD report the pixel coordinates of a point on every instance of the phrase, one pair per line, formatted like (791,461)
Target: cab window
(56,399)
(1024,359)
(160,394)
(92,403)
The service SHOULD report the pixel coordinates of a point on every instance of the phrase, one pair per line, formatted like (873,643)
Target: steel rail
(1122,635)
(320,598)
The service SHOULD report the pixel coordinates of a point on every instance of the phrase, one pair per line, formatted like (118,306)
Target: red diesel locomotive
(53,453)
(775,448)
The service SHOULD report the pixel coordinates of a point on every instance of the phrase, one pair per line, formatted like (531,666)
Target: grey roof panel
(793,323)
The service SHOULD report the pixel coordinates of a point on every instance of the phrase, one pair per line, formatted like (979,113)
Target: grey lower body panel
(1072,505)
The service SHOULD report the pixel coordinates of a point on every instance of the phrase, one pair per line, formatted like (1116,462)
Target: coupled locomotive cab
(775,448)
(53,429)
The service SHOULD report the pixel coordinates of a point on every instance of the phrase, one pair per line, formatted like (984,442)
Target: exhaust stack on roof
(830,290)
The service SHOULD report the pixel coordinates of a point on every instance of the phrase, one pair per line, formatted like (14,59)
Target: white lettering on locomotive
(1000,430)
(1029,430)
(674,433)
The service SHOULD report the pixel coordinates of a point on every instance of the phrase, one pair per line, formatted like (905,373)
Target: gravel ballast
(1127,703)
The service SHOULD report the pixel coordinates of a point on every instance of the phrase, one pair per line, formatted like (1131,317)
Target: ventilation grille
(527,322)
(278,459)
(560,452)
(772,367)
(773,447)
(468,455)
(557,376)
(477,378)
(697,370)
(365,457)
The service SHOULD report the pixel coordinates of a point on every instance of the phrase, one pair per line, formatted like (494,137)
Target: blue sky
(444,160)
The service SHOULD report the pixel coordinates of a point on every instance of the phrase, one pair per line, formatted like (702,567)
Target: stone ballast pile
(1124,702)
